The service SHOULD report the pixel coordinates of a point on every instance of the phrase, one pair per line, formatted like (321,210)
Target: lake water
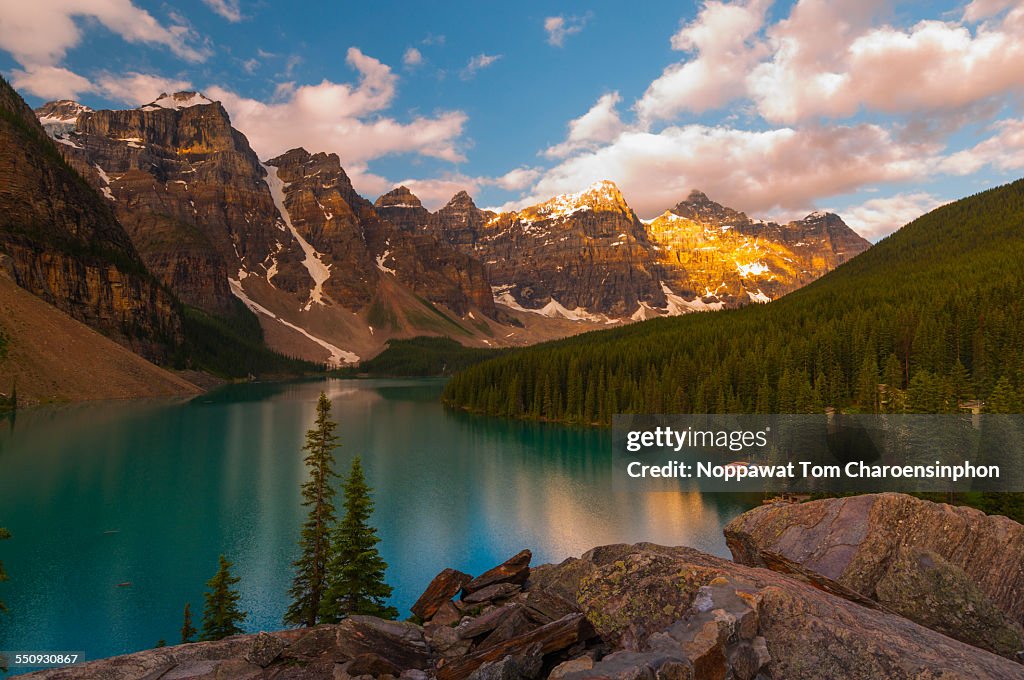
(151,492)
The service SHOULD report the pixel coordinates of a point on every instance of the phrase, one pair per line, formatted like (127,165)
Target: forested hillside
(927,319)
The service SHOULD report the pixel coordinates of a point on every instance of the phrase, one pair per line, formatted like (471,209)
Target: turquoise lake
(150,492)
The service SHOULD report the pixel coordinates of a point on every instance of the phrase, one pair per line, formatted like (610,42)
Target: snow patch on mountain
(314,263)
(552,310)
(106,181)
(177,101)
(338,355)
(677,305)
(381,259)
(751,269)
(759,297)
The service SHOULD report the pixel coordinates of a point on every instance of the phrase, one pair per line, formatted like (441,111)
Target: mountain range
(333,277)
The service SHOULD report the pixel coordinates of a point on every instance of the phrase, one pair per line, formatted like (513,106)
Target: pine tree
(4,534)
(355,575)
(221,616)
(1003,398)
(188,631)
(867,386)
(308,586)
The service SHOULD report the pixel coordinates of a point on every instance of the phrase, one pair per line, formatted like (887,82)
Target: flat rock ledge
(629,612)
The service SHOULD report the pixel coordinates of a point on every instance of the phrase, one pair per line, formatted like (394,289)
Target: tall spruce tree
(308,585)
(355,575)
(221,616)
(4,534)
(188,631)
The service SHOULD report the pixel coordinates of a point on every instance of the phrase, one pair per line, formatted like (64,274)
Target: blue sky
(879,110)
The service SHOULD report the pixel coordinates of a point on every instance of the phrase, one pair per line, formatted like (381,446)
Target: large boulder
(670,612)
(953,569)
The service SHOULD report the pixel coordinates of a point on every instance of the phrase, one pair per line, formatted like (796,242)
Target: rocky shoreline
(646,611)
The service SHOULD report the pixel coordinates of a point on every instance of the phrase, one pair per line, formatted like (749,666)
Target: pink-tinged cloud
(1004,151)
(880,217)
(601,124)
(41,33)
(343,118)
(723,40)
(827,63)
(761,172)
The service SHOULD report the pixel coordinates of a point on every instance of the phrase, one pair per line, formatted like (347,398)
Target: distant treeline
(421,357)
(929,320)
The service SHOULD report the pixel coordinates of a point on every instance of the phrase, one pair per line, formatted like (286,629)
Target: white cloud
(50,82)
(133,88)
(880,217)
(1004,151)
(228,9)
(829,60)
(600,124)
(517,179)
(762,172)
(344,118)
(478,63)
(412,57)
(40,33)
(978,10)
(724,40)
(560,27)
(137,88)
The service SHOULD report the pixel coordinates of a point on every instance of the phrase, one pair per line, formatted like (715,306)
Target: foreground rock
(953,569)
(620,611)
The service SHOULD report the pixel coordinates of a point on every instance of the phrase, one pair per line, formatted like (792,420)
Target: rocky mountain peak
(61,116)
(699,208)
(178,100)
(399,197)
(603,195)
(822,216)
(61,110)
(462,201)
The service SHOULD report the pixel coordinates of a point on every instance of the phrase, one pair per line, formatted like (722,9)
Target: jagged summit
(399,197)
(822,216)
(601,195)
(461,200)
(176,101)
(61,116)
(699,208)
(60,111)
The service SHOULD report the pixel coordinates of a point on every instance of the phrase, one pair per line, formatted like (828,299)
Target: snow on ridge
(677,305)
(338,355)
(644,312)
(318,270)
(177,101)
(552,310)
(759,297)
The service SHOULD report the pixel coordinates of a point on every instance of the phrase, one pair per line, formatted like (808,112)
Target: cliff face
(586,255)
(716,256)
(330,278)
(66,245)
(187,187)
(327,271)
